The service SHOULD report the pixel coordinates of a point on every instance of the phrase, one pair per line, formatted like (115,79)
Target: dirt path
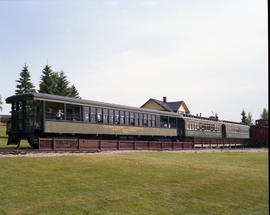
(253,150)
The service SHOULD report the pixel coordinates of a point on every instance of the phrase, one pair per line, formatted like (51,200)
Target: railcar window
(110,117)
(52,109)
(105,116)
(136,119)
(74,112)
(153,121)
(145,120)
(33,114)
(86,113)
(99,115)
(140,119)
(164,121)
(132,122)
(19,109)
(77,113)
(116,117)
(126,118)
(93,117)
(122,117)
(149,120)
(157,121)
(172,122)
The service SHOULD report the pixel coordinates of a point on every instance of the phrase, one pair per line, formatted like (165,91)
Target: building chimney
(164,99)
(200,114)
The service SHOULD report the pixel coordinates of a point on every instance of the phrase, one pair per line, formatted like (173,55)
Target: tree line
(51,82)
(248,119)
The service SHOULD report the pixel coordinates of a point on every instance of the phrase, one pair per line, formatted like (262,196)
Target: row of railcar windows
(108,116)
(199,126)
(119,117)
(237,129)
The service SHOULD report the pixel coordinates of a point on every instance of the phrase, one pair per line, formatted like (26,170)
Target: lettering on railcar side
(122,129)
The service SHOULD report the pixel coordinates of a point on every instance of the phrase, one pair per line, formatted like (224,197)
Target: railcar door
(223,129)
(181,128)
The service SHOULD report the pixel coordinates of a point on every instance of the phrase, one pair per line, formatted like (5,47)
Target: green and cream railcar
(34,115)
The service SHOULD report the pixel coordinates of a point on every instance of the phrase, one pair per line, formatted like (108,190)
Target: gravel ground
(50,154)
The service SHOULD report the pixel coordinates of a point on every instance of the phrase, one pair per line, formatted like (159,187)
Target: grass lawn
(2,130)
(136,183)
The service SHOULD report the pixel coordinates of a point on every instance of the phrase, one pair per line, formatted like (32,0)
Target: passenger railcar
(34,116)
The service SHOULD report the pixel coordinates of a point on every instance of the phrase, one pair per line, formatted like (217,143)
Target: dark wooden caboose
(259,133)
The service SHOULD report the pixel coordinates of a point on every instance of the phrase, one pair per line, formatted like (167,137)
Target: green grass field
(136,183)
(2,130)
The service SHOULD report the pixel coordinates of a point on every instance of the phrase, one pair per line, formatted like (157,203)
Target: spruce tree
(24,84)
(56,83)
(249,119)
(244,118)
(48,82)
(62,83)
(73,92)
(264,114)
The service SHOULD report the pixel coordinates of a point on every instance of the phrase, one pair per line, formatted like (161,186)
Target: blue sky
(211,54)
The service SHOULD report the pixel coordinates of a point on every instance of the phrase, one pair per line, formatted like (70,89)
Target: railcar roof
(56,98)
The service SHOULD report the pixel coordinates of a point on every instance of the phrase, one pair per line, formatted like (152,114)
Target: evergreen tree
(264,114)
(244,117)
(73,92)
(56,83)
(24,84)
(1,103)
(249,119)
(48,82)
(62,83)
